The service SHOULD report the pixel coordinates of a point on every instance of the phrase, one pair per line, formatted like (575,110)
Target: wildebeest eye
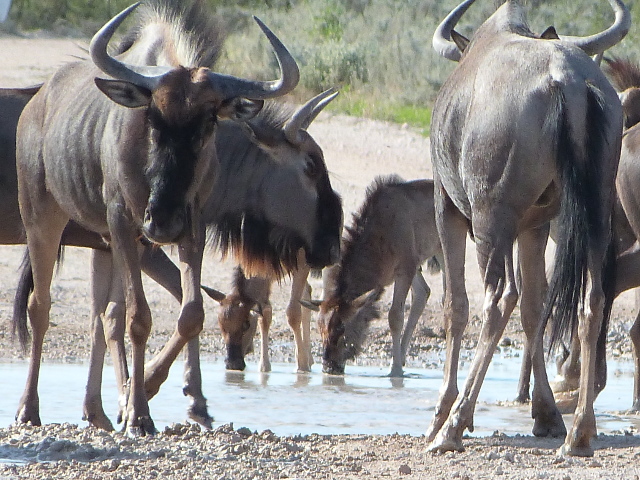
(311,169)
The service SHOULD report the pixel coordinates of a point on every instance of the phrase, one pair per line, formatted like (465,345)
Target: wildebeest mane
(259,246)
(355,244)
(269,123)
(196,34)
(622,73)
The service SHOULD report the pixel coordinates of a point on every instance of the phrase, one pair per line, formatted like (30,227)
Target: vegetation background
(378,52)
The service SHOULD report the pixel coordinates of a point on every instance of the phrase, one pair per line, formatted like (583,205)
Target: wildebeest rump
(144,169)
(522,129)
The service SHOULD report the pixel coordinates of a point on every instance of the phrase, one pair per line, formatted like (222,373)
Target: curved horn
(599,42)
(306,114)
(441,41)
(143,76)
(231,87)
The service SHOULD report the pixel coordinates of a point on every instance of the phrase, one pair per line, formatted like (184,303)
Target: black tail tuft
(581,214)
(25,287)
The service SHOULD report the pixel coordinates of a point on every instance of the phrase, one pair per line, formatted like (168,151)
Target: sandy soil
(356,151)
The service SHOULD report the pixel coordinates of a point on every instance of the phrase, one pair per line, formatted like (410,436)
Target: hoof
(26,415)
(575,451)
(200,414)
(563,384)
(98,420)
(566,401)
(551,425)
(442,444)
(141,427)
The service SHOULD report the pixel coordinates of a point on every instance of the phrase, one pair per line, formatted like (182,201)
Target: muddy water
(364,401)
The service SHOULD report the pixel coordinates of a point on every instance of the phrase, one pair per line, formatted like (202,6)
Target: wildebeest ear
(311,304)
(460,40)
(550,34)
(124,93)
(213,293)
(240,109)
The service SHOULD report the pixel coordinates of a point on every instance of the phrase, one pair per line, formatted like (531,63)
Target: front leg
(137,418)
(298,317)
(191,318)
(192,386)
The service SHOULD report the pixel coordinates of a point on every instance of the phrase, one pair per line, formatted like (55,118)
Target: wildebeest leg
(634,333)
(162,270)
(420,293)
(299,318)
(494,246)
(191,318)
(452,228)
(192,386)
(137,419)
(566,384)
(102,275)
(578,440)
(396,320)
(531,249)
(265,323)
(43,239)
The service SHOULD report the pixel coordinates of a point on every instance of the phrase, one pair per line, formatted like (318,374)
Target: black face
(174,153)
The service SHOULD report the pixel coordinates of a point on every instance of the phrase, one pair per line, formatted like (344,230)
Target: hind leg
(299,318)
(396,322)
(495,257)
(452,229)
(265,323)
(44,223)
(531,248)
(101,276)
(420,293)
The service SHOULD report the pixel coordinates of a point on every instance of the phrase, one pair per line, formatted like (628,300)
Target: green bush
(377,51)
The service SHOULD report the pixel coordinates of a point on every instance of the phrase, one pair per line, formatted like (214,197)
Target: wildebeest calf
(391,236)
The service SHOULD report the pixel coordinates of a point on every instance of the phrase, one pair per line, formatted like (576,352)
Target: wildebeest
(248,305)
(391,236)
(252,157)
(525,128)
(625,77)
(121,172)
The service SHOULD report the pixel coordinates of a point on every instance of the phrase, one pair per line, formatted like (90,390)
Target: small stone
(493,455)
(404,469)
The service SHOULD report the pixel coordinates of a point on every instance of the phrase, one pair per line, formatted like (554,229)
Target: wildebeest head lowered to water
(525,127)
(147,168)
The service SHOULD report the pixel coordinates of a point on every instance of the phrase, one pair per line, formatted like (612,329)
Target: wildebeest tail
(433,265)
(581,212)
(21,300)
(25,287)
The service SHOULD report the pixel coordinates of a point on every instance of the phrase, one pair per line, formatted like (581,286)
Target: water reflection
(365,400)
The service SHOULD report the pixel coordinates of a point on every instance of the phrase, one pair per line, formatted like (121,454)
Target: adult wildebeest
(625,77)
(391,236)
(144,169)
(257,160)
(248,305)
(525,127)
